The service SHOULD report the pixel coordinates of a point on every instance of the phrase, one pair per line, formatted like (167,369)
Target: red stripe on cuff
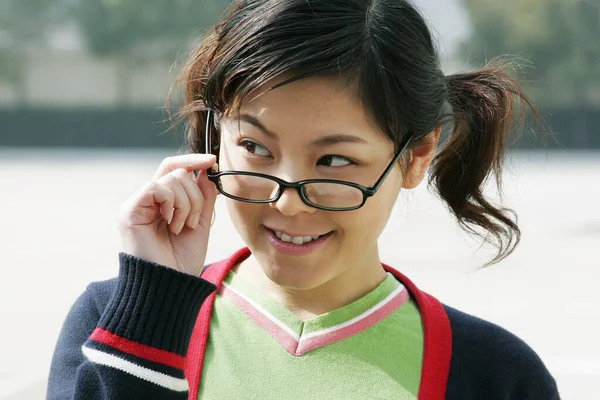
(137,349)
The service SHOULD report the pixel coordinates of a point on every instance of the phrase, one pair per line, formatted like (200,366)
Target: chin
(294,274)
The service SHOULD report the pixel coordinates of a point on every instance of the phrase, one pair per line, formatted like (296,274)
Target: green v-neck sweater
(342,354)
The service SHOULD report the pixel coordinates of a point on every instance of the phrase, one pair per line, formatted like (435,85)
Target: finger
(181,204)
(209,193)
(194,195)
(151,194)
(166,201)
(189,162)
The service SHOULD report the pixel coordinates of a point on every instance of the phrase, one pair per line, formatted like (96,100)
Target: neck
(354,281)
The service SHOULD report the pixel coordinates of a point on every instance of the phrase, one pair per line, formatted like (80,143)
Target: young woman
(310,117)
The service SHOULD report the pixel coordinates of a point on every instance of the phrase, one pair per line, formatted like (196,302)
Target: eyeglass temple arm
(391,165)
(207,143)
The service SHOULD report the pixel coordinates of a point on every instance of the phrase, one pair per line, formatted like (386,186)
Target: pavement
(58,233)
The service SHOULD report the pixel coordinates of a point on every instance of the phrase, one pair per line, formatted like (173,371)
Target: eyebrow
(322,141)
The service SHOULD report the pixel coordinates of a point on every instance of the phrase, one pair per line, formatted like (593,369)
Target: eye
(255,148)
(335,161)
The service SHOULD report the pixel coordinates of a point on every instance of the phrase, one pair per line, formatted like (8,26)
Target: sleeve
(134,347)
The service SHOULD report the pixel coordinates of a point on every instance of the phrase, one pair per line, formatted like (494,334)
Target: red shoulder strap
(195,356)
(437,351)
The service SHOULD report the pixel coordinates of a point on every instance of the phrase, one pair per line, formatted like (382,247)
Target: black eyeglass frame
(299,186)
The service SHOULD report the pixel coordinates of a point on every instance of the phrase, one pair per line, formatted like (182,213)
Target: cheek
(224,159)
(368,222)
(365,225)
(241,215)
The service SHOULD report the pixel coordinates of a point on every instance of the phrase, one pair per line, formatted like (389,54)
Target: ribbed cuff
(155,305)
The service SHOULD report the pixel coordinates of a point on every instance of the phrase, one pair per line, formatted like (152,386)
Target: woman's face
(312,130)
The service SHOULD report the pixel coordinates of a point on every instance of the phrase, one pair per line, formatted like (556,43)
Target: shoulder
(490,362)
(468,329)
(98,294)
(89,306)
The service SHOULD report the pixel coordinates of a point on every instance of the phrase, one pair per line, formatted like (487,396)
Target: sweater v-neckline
(299,336)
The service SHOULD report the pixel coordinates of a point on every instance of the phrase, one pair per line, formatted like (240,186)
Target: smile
(299,240)
(300,244)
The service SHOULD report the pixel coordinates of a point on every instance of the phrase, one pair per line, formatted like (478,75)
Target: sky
(449,19)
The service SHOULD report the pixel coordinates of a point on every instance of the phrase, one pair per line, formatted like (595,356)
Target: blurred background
(83,86)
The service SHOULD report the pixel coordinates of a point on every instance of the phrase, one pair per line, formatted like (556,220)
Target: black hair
(384,51)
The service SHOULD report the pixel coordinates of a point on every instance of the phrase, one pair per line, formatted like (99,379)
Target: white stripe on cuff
(158,378)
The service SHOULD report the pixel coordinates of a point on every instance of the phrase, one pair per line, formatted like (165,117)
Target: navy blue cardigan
(127,338)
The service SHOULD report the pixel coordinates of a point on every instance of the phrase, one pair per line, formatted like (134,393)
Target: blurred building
(60,73)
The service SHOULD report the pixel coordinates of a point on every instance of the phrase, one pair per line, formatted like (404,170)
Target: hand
(168,220)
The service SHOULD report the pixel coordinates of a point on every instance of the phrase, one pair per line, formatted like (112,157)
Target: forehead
(315,104)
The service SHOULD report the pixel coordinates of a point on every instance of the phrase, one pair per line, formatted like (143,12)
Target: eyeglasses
(323,194)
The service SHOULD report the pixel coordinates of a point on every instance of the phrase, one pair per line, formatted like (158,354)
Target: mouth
(297,240)
(297,243)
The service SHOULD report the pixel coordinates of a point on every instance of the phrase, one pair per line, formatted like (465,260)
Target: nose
(290,203)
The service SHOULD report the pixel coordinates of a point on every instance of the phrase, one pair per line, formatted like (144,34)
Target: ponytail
(488,106)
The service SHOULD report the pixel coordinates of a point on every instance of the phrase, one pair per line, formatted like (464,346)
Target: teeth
(296,240)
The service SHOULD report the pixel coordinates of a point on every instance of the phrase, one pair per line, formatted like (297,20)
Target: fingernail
(170,217)
(195,221)
(179,228)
